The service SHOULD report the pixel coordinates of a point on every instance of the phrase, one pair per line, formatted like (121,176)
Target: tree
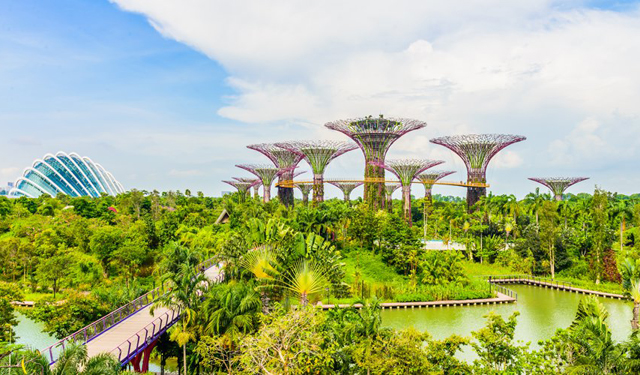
(306,279)
(549,232)
(52,270)
(288,343)
(601,237)
(495,345)
(8,293)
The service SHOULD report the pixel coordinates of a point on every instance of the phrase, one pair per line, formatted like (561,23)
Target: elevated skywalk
(131,331)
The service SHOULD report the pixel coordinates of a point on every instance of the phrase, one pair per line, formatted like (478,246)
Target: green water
(542,312)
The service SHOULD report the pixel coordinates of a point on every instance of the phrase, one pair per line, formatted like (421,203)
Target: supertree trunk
(427,196)
(305,199)
(256,194)
(285,193)
(406,198)
(474,194)
(374,192)
(318,188)
(266,193)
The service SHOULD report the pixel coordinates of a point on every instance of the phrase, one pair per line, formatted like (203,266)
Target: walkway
(128,331)
(560,285)
(500,298)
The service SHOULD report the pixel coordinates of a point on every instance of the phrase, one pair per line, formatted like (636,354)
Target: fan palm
(306,279)
(75,360)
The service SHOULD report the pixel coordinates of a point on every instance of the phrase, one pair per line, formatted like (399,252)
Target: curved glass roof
(69,174)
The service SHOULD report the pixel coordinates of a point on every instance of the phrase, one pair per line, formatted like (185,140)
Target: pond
(542,312)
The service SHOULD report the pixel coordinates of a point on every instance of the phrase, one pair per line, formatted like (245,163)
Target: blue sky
(166,94)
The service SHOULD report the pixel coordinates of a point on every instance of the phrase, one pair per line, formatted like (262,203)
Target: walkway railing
(127,350)
(518,279)
(503,290)
(103,324)
(115,317)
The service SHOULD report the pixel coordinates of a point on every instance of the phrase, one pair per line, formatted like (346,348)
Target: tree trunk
(184,357)
(266,193)
(406,197)
(636,313)
(552,262)
(318,188)
(621,227)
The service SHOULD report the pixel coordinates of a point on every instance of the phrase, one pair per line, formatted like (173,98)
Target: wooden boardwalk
(501,298)
(554,285)
(123,332)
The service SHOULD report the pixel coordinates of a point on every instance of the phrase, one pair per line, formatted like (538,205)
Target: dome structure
(69,174)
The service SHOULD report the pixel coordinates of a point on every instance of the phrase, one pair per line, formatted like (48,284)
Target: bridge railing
(527,278)
(94,329)
(141,339)
(103,324)
(506,291)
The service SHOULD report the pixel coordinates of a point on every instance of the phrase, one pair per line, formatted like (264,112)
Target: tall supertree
(389,190)
(374,136)
(406,170)
(318,154)
(242,187)
(305,189)
(476,151)
(266,173)
(428,178)
(558,185)
(346,187)
(284,159)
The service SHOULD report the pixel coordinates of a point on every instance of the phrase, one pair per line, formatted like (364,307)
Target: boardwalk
(552,284)
(500,298)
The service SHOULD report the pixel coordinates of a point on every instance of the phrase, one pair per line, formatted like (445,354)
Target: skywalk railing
(128,349)
(103,324)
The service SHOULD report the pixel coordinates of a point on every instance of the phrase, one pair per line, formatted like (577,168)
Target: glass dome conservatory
(65,173)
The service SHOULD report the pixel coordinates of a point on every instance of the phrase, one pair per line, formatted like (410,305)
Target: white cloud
(560,73)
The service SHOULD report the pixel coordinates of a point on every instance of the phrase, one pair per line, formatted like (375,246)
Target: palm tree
(75,360)
(631,284)
(508,227)
(622,212)
(596,351)
(305,279)
(231,310)
(186,287)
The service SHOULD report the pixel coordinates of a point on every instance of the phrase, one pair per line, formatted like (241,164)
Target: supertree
(389,190)
(558,185)
(428,178)
(374,136)
(318,154)
(284,159)
(406,170)
(256,184)
(305,189)
(476,150)
(242,187)
(346,187)
(266,173)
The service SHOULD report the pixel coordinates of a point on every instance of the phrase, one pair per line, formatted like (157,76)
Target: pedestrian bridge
(131,332)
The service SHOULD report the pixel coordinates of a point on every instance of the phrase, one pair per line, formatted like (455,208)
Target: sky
(167,94)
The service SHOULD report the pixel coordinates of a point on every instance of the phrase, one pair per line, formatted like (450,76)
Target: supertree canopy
(318,154)
(285,160)
(428,178)
(266,173)
(346,187)
(374,136)
(242,187)
(406,170)
(476,151)
(305,189)
(558,185)
(256,184)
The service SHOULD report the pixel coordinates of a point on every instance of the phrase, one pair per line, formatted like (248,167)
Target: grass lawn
(485,269)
